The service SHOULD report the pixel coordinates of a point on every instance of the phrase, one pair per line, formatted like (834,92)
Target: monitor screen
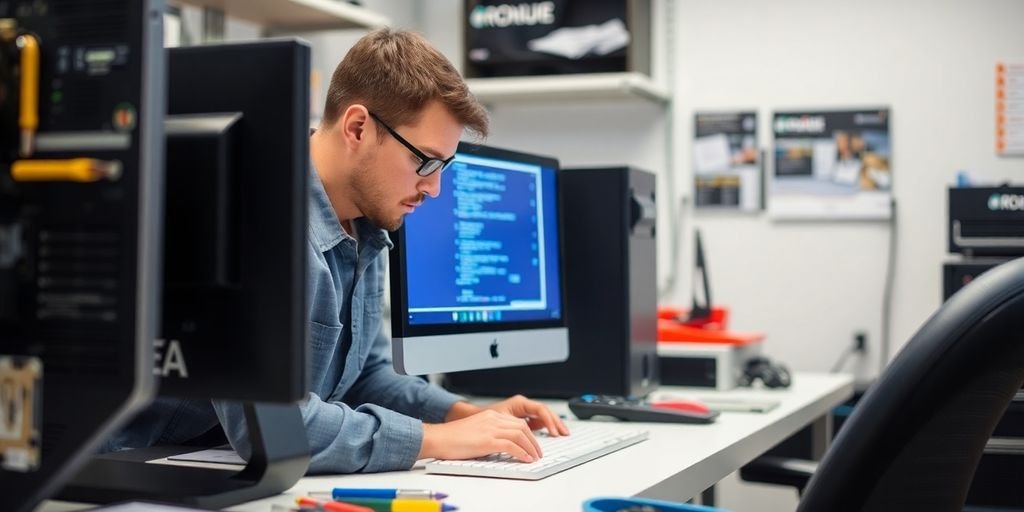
(476,272)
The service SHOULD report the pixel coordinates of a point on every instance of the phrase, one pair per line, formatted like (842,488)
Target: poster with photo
(726,173)
(832,165)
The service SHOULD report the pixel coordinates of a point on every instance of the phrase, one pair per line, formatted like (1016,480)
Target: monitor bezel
(400,326)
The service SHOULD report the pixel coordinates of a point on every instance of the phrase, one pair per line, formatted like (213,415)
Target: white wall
(811,285)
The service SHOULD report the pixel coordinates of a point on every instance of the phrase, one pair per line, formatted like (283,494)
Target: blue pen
(340,493)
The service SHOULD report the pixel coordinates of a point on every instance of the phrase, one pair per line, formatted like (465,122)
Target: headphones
(772,375)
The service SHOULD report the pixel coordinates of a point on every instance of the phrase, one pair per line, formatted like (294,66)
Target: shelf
(296,15)
(597,86)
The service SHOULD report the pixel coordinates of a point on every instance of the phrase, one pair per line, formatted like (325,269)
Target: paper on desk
(214,455)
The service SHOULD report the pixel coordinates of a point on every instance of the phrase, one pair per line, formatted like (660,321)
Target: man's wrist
(461,409)
(426,446)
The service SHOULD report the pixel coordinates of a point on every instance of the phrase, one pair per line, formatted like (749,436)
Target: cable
(842,360)
(883,357)
(675,225)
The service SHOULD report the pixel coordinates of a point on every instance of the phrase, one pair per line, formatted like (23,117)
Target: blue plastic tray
(612,504)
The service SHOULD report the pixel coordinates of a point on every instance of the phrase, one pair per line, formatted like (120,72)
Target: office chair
(914,440)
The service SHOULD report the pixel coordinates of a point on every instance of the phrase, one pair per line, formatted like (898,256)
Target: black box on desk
(608,229)
(986,221)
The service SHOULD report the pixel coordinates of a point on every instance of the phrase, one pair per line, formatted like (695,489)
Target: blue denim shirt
(360,415)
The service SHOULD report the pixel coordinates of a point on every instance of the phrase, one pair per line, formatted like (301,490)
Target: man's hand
(537,414)
(480,434)
(471,431)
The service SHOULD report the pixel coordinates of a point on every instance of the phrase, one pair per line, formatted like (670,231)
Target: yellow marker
(28,115)
(400,505)
(83,170)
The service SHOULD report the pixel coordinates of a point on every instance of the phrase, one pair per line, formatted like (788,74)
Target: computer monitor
(81,152)
(234,289)
(236,201)
(476,273)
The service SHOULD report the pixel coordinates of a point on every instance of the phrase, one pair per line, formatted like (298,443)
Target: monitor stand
(280,457)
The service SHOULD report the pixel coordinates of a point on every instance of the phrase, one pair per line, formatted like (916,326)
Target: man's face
(385,185)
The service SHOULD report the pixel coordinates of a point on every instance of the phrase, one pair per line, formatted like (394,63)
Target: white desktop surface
(677,462)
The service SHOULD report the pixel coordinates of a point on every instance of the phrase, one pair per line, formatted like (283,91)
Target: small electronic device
(634,409)
(696,348)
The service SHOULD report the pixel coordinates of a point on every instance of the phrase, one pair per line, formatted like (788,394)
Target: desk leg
(707,497)
(821,436)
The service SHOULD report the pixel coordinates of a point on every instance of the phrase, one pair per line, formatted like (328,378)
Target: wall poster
(832,165)
(726,173)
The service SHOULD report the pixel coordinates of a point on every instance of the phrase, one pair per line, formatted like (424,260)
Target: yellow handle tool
(28,116)
(81,170)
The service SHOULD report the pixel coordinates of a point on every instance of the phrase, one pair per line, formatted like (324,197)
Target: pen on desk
(385,505)
(391,494)
(331,506)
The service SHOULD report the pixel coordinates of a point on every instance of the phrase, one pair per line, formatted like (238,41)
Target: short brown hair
(394,73)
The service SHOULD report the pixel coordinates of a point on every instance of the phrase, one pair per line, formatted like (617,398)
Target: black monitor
(81,152)
(235,251)
(476,274)
(701,307)
(234,289)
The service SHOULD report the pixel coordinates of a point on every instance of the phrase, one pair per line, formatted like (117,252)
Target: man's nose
(431,185)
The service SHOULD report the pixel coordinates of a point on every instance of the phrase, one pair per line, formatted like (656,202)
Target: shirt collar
(324,228)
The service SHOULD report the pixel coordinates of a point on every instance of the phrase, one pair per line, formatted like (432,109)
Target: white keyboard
(587,442)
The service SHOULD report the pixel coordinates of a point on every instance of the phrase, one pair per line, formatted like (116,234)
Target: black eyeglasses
(428,164)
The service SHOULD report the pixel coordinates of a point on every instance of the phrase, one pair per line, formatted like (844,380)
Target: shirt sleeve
(412,396)
(366,439)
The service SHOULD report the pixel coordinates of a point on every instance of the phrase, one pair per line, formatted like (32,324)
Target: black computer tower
(608,230)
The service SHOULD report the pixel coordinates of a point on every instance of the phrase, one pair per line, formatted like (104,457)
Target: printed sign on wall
(1009,109)
(832,165)
(726,173)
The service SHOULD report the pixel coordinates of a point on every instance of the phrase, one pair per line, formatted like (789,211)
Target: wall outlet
(860,341)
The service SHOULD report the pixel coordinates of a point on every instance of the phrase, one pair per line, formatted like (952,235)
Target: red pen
(331,506)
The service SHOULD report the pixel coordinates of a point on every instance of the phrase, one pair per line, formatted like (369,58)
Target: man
(394,114)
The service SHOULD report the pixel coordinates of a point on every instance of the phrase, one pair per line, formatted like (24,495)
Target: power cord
(883,356)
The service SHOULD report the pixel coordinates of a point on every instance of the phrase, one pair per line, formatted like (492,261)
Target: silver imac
(476,273)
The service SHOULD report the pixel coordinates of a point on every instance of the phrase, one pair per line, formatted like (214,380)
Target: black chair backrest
(914,440)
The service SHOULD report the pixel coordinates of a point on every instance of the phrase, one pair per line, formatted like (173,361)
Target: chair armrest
(779,471)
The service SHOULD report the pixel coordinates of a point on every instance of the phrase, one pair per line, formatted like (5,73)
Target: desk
(677,463)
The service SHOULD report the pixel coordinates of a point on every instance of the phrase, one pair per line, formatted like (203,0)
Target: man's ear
(354,125)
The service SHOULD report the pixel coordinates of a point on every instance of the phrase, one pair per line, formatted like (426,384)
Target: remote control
(632,409)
